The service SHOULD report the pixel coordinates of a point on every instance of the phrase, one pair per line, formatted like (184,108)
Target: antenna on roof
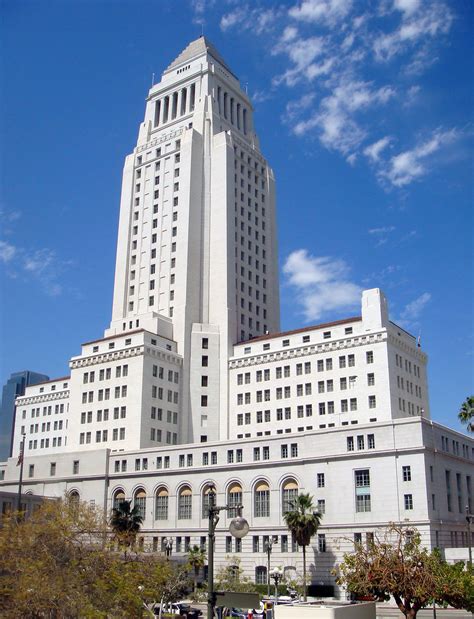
(202,29)
(246,88)
(152,79)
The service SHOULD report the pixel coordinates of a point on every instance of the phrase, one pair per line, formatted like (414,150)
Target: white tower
(197,241)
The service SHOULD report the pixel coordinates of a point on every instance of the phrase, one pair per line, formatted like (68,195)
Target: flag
(20,455)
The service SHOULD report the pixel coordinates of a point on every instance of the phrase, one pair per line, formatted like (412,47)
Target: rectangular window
(321,480)
(369,355)
(321,506)
(406,471)
(350,443)
(408,500)
(362,488)
(321,542)
(371,441)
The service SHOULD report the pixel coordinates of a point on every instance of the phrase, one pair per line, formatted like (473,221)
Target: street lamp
(268,550)
(469,518)
(277,576)
(238,528)
(168,547)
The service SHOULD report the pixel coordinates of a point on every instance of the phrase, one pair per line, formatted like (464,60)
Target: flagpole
(20,481)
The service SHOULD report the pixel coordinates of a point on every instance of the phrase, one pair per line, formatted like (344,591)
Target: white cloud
(373,151)
(200,7)
(413,310)
(302,53)
(406,6)
(256,20)
(7,251)
(382,230)
(408,166)
(338,129)
(381,234)
(322,284)
(294,108)
(321,11)
(430,21)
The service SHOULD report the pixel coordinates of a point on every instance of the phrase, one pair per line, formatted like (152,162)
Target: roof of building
(52,380)
(324,325)
(197,48)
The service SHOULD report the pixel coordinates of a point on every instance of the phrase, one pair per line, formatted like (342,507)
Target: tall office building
(194,357)
(14,387)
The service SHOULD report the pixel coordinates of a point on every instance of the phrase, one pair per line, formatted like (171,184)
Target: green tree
(55,564)
(303,521)
(125,523)
(466,413)
(399,566)
(196,560)
(231,577)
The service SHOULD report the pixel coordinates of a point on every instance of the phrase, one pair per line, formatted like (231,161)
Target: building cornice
(42,397)
(304,351)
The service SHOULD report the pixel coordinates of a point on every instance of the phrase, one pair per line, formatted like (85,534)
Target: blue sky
(363,109)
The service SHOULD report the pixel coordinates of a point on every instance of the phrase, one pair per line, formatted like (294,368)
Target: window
(370,379)
(262,500)
(360,442)
(321,480)
(31,470)
(284,451)
(75,467)
(256,543)
(369,355)
(362,488)
(372,401)
(260,574)
(289,494)
(161,504)
(321,542)
(408,500)
(234,498)
(140,502)
(321,506)
(350,443)
(52,469)
(185,503)
(371,441)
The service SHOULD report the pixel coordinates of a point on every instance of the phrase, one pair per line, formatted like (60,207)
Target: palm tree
(303,522)
(126,522)
(466,413)
(196,560)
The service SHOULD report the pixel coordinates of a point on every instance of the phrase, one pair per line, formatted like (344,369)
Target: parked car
(179,608)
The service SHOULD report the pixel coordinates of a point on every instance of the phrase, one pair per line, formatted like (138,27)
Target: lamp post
(21,458)
(268,550)
(238,527)
(168,547)
(469,518)
(277,576)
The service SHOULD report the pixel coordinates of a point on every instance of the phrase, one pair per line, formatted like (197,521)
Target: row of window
(105,374)
(45,427)
(408,365)
(104,394)
(158,393)
(172,106)
(118,434)
(47,410)
(455,447)
(44,443)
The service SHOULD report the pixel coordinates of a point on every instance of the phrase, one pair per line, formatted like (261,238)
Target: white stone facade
(194,357)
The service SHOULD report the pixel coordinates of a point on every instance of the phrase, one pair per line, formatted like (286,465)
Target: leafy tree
(399,566)
(196,560)
(55,564)
(231,577)
(466,413)
(303,521)
(125,523)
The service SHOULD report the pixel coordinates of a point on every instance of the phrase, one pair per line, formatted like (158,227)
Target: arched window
(140,502)
(288,495)
(205,501)
(74,496)
(262,500)
(119,497)
(261,575)
(234,497)
(161,504)
(185,504)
